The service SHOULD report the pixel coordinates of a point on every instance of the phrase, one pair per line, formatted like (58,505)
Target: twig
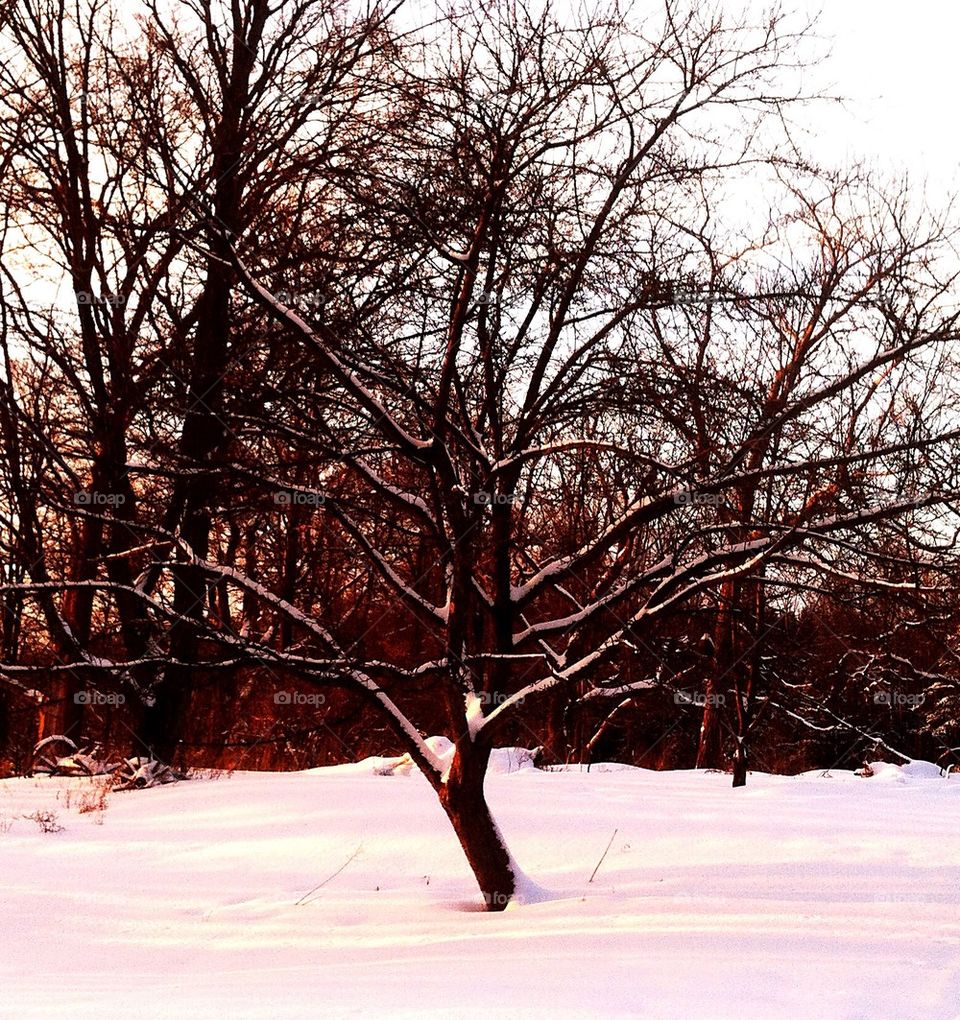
(605,852)
(330,878)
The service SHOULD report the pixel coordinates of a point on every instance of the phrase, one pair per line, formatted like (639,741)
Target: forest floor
(341,892)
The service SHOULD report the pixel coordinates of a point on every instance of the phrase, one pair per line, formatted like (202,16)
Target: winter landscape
(340,892)
(479,509)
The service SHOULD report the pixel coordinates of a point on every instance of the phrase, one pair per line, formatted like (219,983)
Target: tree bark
(463,800)
(710,747)
(740,762)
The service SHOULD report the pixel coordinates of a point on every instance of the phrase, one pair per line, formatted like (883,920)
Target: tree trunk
(466,807)
(710,747)
(740,762)
(204,430)
(744,681)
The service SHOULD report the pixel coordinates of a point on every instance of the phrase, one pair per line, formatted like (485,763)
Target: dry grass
(94,799)
(47,821)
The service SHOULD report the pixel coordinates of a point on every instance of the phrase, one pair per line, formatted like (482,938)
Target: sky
(898,68)
(898,65)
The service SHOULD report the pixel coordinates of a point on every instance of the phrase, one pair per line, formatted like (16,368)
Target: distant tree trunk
(556,746)
(740,762)
(204,431)
(250,611)
(710,748)
(291,570)
(5,734)
(744,689)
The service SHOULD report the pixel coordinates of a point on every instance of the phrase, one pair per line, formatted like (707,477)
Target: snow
(474,714)
(503,760)
(442,749)
(826,894)
(920,770)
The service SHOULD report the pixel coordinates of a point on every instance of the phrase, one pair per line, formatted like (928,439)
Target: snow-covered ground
(341,892)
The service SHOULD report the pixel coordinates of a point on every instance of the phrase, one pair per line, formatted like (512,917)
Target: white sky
(899,64)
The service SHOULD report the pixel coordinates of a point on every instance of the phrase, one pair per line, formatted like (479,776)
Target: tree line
(371,373)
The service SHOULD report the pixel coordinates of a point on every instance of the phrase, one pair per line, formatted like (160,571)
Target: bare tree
(549,323)
(116,144)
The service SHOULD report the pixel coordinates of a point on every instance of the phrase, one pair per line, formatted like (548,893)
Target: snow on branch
(380,416)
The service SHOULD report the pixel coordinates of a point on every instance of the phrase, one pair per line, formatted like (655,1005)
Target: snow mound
(883,772)
(441,747)
(922,770)
(375,765)
(504,760)
(527,891)
(400,765)
(913,770)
